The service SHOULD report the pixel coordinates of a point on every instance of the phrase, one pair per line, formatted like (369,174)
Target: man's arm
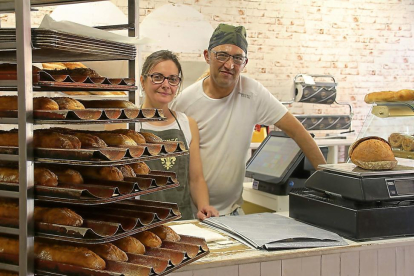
(294,129)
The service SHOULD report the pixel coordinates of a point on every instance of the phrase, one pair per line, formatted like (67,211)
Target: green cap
(228,34)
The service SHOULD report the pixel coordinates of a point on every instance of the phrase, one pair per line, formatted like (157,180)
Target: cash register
(277,165)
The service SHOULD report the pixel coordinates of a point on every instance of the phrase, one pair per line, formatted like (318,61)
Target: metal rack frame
(25,195)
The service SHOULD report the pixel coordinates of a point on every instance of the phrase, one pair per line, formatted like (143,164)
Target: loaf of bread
(149,239)
(408,143)
(67,254)
(102,173)
(404,95)
(140,168)
(9,208)
(151,137)
(66,103)
(127,171)
(87,140)
(114,139)
(109,104)
(41,103)
(165,233)
(67,176)
(130,245)
(42,176)
(48,139)
(109,251)
(395,140)
(77,256)
(372,153)
(134,135)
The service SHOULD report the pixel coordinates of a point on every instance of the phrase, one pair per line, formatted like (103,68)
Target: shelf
(7,230)
(8,5)
(9,157)
(385,110)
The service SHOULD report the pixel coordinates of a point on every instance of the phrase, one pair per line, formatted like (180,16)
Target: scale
(355,203)
(349,181)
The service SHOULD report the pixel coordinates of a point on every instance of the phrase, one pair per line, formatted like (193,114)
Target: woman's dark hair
(157,57)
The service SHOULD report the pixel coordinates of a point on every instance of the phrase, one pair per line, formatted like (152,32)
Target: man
(226,107)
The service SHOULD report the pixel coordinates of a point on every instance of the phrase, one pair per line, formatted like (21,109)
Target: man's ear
(207,56)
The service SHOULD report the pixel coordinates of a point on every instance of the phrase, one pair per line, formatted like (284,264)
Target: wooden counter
(391,257)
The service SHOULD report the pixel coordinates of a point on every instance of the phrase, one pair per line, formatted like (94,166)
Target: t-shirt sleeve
(269,109)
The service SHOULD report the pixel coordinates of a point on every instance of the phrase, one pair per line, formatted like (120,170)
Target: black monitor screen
(274,159)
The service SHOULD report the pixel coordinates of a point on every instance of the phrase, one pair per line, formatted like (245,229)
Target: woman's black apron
(178,164)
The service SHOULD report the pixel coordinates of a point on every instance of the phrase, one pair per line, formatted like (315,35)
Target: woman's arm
(198,185)
(294,129)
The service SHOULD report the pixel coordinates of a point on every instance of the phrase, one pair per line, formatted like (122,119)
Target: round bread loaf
(372,153)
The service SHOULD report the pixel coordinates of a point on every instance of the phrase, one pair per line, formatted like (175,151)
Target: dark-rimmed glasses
(224,57)
(158,78)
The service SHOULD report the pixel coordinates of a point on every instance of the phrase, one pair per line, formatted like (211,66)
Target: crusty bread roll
(102,173)
(67,254)
(134,135)
(395,140)
(109,251)
(66,103)
(140,168)
(114,139)
(42,176)
(151,138)
(109,104)
(127,171)
(78,256)
(130,245)
(165,233)
(403,95)
(67,176)
(372,153)
(407,143)
(149,239)
(9,208)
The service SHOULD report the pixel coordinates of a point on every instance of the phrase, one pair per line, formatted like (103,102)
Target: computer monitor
(273,163)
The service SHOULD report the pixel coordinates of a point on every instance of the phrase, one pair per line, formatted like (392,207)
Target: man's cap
(228,34)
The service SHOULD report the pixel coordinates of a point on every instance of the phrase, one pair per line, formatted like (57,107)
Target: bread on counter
(403,95)
(372,153)
(130,245)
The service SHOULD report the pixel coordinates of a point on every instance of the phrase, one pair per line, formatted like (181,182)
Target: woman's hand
(206,212)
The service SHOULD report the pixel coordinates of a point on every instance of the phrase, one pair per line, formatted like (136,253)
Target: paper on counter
(78,29)
(194,230)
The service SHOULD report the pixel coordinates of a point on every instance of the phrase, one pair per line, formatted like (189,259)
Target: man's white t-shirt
(226,126)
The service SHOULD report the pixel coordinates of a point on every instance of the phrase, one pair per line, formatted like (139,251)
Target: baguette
(109,251)
(87,140)
(130,245)
(78,256)
(41,103)
(127,171)
(140,168)
(115,139)
(149,239)
(403,95)
(66,103)
(67,176)
(102,173)
(41,139)
(109,104)
(165,233)
(151,137)
(136,136)
(42,176)
(62,216)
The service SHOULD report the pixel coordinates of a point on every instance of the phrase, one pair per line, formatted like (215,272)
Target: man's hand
(206,212)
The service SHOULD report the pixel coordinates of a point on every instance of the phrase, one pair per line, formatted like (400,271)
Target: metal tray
(95,192)
(156,261)
(105,222)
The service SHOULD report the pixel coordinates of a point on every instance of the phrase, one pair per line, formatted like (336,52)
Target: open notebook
(271,231)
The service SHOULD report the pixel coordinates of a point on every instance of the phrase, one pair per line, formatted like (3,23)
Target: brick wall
(367,45)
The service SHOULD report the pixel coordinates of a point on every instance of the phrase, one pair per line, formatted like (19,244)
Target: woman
(160,80)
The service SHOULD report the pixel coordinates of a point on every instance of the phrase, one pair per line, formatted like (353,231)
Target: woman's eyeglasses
(158,78)
(224,57)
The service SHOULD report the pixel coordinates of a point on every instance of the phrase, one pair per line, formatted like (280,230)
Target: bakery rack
(175,255)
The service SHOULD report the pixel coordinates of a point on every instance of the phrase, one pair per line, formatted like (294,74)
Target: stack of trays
(50,45)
